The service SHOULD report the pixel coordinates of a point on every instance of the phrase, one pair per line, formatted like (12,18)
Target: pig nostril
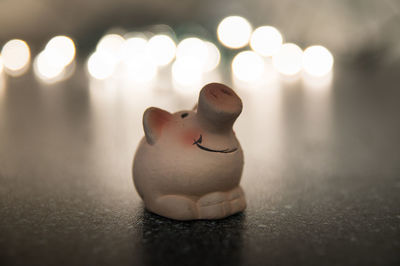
(225,91)
(213,94)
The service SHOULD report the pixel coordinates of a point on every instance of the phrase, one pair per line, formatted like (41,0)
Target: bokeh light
(140,69)
(266,40)
(56,61)
(133,47)
(101,65)
(111,44)
(186,73)
(139,65)
(234,32)
(288,60)
(317,84)
(46,68)
(1,65)
(193,51)
(63,50)
(2,86)
(16,57)
(194,57)
(248,66)
(162,49)
(317,61)
(203,54)
(213,57)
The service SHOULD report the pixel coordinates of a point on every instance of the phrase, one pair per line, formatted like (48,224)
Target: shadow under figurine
(189,164)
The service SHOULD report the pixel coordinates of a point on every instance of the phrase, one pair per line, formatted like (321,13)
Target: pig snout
(218,107)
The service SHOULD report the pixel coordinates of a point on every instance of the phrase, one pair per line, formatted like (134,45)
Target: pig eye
(184,115)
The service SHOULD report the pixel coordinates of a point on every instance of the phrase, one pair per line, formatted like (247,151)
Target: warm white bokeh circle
(111,44)
(186,73)
(141,68)
(317,61)
(45,67)
(133,47)
(248,66)
(234,32)
(101,65)
(193,51)
(213,57)
(191,47)
(63,49)
(1,65)
(16,56)
(266,40)
(288,60)
(162,49)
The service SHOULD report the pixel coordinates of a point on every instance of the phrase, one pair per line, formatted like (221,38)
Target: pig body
(189,165)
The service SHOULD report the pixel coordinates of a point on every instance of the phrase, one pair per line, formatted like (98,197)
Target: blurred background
(320,129)
(356,32)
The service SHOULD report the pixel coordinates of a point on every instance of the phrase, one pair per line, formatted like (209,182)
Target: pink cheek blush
(189,136)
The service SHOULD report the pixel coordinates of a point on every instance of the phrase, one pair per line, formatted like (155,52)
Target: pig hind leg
(176,207)
(218,205)
(237,200)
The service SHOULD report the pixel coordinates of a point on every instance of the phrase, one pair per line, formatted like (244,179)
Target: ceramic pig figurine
(189,164)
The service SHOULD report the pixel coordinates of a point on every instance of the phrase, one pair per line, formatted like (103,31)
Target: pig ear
(154,119)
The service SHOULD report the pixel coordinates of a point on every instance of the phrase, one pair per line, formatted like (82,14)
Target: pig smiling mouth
(197,143)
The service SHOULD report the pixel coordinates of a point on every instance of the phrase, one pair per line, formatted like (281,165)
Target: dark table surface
(322,176)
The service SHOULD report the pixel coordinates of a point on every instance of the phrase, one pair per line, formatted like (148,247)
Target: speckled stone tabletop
(322,177)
